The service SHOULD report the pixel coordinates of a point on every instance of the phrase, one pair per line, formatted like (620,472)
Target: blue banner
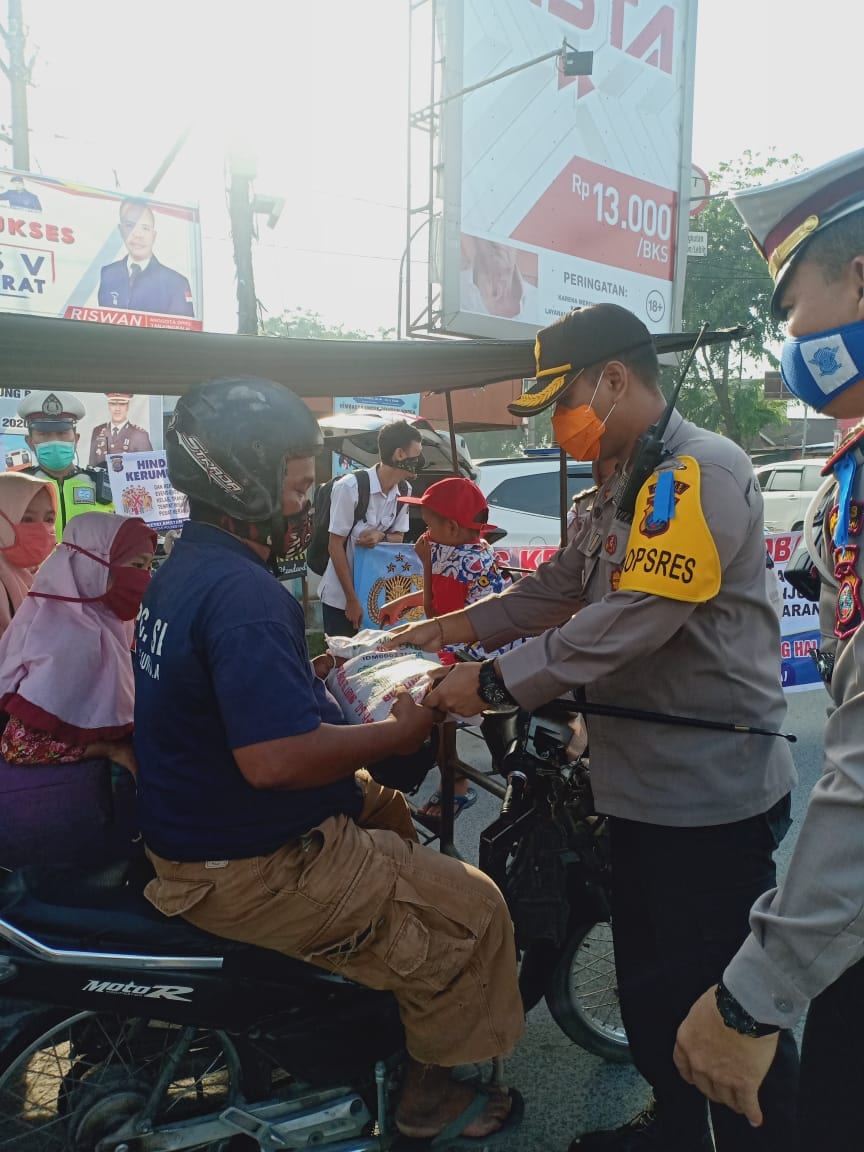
(384,573)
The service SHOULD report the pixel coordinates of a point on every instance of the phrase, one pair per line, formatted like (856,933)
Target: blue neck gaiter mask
(819,367)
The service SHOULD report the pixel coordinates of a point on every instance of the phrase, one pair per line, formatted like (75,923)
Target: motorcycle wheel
(582,993)
(84,1077)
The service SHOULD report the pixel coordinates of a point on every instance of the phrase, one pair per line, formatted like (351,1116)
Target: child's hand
(389,614)
(423,548)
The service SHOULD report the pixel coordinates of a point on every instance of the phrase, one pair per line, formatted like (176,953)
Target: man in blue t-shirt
(258,818)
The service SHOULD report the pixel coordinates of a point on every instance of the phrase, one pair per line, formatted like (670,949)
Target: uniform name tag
(675,557)
(83,496)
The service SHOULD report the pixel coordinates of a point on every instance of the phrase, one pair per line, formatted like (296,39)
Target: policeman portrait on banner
(118,434)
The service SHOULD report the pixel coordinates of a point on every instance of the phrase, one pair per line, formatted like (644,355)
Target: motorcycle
(548,852)
(122,1030)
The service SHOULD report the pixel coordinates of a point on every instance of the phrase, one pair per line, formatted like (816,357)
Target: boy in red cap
(459,568)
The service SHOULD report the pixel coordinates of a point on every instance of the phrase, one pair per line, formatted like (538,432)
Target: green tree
(303,324)
(729,286)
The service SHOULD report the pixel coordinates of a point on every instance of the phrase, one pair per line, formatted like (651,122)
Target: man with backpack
(364,511)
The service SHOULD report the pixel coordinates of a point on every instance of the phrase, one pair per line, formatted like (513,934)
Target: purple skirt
(65,814)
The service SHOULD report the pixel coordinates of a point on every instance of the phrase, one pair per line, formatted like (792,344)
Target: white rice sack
(347,647)
(365,686)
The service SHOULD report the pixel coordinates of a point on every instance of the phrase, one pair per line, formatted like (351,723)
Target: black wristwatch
(491,690)
(734,1016)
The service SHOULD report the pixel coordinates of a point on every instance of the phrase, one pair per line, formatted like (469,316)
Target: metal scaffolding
(419,291)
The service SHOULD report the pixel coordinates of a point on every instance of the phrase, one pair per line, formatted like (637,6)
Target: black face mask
(297,531)
(413,467)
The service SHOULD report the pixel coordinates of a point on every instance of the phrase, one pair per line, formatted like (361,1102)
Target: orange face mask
(578,430)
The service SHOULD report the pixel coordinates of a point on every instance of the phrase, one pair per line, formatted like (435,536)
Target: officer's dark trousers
(832,1067)
(681,899)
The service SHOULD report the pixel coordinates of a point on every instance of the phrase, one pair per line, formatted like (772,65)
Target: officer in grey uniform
(671,616)
(807,939)
(583,502)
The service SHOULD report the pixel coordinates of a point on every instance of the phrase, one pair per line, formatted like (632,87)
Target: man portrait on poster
(139,282)
(117,434)
(17,196)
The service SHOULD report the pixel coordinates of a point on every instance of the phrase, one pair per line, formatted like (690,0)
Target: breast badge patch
(847,616)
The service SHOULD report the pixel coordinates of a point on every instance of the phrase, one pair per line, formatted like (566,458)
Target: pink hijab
(66,667)
(16,492)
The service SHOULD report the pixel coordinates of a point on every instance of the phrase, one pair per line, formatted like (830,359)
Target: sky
(317,90)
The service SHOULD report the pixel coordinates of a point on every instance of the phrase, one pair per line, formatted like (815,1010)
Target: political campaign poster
(799,627)
(115,423)
(385,573)
(68,250)
(561,190)
(140,487)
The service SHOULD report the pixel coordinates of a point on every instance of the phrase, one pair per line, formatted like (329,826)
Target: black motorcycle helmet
(226,448)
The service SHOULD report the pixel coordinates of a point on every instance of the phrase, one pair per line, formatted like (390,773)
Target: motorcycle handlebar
(514,792)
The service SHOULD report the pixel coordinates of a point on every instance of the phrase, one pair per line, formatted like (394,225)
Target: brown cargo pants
(364,899)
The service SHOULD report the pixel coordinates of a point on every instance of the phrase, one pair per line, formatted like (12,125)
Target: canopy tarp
(41,353)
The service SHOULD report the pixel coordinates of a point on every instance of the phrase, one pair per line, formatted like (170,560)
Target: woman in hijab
(28,509)
(66,679)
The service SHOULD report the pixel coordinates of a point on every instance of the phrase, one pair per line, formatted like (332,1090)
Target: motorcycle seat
(104,910)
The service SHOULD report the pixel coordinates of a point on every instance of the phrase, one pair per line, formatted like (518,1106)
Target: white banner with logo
(140,487)
(121,423)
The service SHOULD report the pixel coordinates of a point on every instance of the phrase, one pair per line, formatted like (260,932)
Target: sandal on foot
(451,1137)
(460,803)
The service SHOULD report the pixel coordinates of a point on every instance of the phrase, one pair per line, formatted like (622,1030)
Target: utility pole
(17,69)
(242,167)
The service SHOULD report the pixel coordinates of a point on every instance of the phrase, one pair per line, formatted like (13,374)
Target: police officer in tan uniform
(807,939)
(583,502)
(671,616)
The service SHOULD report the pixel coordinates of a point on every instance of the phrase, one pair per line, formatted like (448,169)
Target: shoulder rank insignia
(670,551)
(854,437)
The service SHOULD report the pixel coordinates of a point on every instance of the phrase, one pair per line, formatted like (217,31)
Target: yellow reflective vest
(80,491)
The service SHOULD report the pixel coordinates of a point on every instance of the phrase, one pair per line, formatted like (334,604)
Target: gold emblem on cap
(786,247)
(532,399)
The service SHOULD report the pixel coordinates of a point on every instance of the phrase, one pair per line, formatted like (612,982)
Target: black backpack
(318,551)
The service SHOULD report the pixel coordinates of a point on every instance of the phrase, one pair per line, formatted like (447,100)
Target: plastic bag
(365,686)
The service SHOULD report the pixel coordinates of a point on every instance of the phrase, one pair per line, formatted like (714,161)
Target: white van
(523,497)
(787,489)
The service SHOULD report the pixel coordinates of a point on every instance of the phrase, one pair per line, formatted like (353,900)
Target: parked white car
(787,489)
(523,497)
